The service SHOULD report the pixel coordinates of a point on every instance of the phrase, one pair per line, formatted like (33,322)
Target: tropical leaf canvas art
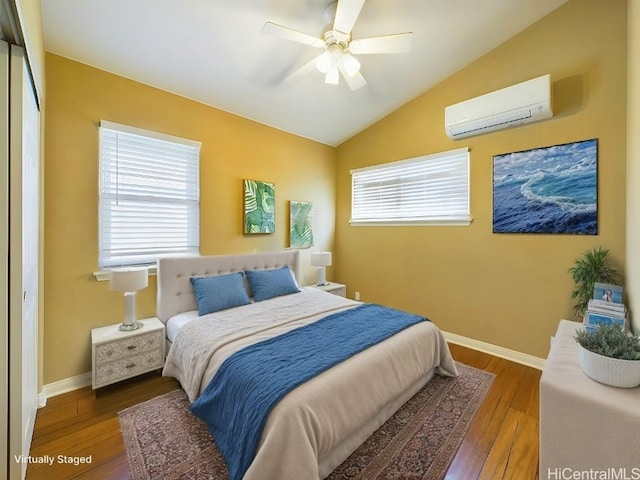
(259,207)
(301,216)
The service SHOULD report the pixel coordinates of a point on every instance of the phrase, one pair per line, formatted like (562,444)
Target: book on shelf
(600,306)
(600,319)
(593,320)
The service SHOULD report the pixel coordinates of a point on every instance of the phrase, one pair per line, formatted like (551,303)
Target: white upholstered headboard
(175,293)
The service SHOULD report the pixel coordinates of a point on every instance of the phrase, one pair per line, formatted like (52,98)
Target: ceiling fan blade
(302,71)
(355,81)
(396,43)
(346,15)
(287,33)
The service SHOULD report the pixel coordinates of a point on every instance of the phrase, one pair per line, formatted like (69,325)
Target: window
(149,196)
(432,189)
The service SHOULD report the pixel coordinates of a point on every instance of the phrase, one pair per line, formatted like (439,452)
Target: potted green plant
(593,266)
(609,355)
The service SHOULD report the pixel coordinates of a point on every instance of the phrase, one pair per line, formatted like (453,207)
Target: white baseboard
(63,386)
(495,350)
(82,380)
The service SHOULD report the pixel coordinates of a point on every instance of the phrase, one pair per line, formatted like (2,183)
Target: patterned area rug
(164,440)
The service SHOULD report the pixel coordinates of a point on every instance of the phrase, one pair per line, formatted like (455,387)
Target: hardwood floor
(502,441)
(83,423)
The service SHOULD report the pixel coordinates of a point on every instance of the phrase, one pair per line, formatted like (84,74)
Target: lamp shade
(129,279)
(321,259)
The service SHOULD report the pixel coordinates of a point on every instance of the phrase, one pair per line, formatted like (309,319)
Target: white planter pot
(610,371)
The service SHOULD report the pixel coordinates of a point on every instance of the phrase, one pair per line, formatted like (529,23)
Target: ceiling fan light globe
(324,62)
(350,64)
(333,76)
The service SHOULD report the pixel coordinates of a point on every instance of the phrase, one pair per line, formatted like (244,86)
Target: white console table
(584,425)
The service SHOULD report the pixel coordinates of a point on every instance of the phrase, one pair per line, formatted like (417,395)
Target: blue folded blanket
(236,403)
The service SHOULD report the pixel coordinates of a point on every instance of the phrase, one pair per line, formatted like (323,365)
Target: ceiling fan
(339,46)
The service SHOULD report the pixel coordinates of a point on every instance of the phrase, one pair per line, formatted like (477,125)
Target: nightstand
(117,355)
(335,288)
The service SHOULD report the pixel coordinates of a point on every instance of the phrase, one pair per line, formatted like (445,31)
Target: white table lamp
(321,260)
(129,280)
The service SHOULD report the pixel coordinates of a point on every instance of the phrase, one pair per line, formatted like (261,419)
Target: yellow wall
(233,148)
(633,164)
(506,289)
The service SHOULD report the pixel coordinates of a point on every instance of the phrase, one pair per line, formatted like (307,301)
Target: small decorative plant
(610,341)
(593,266)
(609,356)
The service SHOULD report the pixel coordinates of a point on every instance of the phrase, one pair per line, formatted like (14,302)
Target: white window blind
(149,196)
(432,189)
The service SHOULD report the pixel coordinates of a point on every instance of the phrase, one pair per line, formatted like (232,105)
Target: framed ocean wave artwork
(547,190)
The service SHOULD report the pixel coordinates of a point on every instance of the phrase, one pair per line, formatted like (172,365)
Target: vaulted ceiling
(214,52)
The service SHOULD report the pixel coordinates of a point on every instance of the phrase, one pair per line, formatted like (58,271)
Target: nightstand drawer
(117,355)
(117,349)
(110,372)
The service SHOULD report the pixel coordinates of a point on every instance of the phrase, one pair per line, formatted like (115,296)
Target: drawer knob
(131,365)
(132,347)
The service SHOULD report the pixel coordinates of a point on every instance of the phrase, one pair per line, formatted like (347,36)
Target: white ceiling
(213,51)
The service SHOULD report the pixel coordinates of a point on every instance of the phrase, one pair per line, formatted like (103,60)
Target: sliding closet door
(24,161)
(4,256)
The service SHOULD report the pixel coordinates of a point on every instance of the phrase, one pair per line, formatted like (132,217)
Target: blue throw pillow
(266,284)
(219,293)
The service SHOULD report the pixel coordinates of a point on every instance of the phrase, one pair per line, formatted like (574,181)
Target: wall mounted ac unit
(519,104)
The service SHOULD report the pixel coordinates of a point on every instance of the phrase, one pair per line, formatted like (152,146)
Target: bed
(317,425)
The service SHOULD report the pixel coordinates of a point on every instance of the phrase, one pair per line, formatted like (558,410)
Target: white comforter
(319,424)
